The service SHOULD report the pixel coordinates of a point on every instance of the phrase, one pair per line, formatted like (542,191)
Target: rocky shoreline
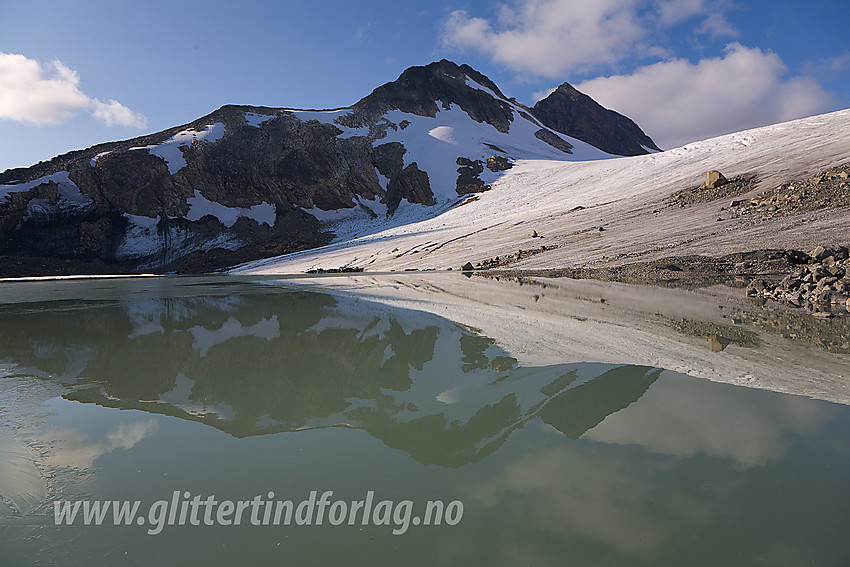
(821,280)
(818,281)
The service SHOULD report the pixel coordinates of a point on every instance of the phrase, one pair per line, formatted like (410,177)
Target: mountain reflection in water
(238,389)
(260,360)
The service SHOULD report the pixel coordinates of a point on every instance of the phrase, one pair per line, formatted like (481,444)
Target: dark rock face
(468,180)
(285,164)
(411,184)
(404,182)
(554,140)
(577,115)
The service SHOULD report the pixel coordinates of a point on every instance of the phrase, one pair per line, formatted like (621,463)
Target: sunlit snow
(170,151)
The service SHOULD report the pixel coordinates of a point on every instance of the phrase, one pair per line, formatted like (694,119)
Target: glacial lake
(340,427)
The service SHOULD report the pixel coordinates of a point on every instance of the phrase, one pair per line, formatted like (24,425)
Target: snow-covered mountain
(551,213)
(247,182)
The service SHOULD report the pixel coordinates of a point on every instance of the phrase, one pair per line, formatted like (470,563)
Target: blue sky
(73,74)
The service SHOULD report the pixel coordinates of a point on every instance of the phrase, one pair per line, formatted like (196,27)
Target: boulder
(757,286)
(714,179)
(820,253)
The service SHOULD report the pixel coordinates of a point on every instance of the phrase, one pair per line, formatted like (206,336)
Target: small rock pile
(502,261)
(340,270)
(822,278)
(715,187)
(829,189)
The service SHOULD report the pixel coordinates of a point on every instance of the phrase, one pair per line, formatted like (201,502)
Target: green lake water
(160,391)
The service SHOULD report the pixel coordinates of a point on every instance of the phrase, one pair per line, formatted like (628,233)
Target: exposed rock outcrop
(554,140)
(828,189)
(424,91)
(498,163)
(468,180)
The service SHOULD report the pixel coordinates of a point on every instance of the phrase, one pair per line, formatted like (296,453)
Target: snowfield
(436,143)
(566,202)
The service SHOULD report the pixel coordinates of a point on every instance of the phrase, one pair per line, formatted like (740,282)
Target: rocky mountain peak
(425,90)
(571,112)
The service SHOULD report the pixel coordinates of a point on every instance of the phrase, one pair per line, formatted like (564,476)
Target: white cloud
(549,37)
(681,419)
(36,95)
(114,113)
(831,66)
(553,37)
(677,101)
(75,449)
(540,95)
(672,12)
(715,25)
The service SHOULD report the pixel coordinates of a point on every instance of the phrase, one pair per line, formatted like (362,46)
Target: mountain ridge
(251,181)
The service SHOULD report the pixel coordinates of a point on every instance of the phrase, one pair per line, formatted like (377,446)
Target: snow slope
(434,144)
(566,202)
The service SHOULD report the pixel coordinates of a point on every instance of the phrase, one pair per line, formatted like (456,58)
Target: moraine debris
(823,279)
(827,190)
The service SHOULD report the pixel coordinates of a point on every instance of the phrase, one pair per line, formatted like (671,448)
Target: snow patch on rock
(205,339)
(93,161)
(254,119)
(200,206)
(331,117)
(435,142)
(169,150)
(68,190)
(470,82)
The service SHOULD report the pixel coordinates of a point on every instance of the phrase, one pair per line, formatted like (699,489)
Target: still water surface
(135,390)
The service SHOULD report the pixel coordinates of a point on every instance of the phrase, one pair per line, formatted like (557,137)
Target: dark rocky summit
(424,91)
(575,114)
(248,182)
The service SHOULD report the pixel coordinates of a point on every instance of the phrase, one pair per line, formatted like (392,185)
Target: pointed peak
(426,90)
(565,89)
(569,111)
